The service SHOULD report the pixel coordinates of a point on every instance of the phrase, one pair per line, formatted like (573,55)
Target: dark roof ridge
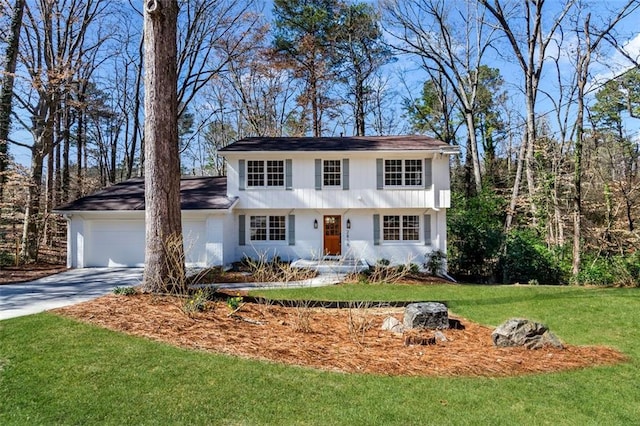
(196,193)
(340,143)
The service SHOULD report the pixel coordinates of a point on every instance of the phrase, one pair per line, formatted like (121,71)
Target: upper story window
(270,172)
(403,172)
(331,173)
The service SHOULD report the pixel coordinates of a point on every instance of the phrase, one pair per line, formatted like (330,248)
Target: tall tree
(57,39)
(529,45)
(434,112)
(361,51)
(164,250)
(304,32)
(6,94)
(451,41)
(589,40)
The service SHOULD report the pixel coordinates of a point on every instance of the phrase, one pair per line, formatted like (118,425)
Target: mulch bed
(341,340)
(23,273)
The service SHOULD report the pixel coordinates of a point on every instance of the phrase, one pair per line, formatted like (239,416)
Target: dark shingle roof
(196,193)
(353,143)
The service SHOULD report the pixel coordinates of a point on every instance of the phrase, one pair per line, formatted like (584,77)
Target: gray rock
(431,315)
(392,324)
(523,332)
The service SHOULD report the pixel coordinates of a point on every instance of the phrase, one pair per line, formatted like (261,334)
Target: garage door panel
(121,243)
(115,243)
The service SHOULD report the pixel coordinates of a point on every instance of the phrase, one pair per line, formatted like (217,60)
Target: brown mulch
(343,340)
(23,273)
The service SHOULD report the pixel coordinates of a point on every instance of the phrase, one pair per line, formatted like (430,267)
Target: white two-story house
(368,198)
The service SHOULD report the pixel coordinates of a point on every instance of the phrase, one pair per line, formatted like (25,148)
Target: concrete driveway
(66,288)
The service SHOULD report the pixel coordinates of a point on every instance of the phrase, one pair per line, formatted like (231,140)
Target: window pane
(391,228)
(258,228)
(275,173)
(393,172)
(410,228)
(276,228)
(413,172)
(255,173)
(331,175)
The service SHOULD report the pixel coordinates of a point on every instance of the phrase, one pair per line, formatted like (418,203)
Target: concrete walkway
(319,281)
(63,289)
(79,285)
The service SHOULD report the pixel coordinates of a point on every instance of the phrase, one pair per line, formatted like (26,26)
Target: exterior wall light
(315,223)
(348,223)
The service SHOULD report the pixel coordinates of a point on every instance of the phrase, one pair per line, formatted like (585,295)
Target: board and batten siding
(362,191)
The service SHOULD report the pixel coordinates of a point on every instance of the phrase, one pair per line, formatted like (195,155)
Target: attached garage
(107,229)
(114,243)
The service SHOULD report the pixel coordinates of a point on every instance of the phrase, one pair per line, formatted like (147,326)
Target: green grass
(57,371)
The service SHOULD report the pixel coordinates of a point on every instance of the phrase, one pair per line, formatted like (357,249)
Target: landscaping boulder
(522,332)
(392,324)
(431,315)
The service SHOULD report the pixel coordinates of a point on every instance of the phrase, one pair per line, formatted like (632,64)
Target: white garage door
(121,243)
(114,243)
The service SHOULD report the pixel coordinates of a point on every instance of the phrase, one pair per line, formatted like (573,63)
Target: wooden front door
(332,235)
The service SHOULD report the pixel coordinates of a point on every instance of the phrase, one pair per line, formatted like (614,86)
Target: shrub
(124,291)
(527,258)
(197,302)
(6,259)
(617,270)
(234,303)
(475,235)
(435,262)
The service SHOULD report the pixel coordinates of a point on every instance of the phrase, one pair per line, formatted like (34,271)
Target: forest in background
(546,191)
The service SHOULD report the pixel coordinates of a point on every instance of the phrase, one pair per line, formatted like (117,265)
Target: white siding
(118,241)
(362,192)
(357,242)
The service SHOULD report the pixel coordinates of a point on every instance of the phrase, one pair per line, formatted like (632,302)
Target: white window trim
(339,184)
(268,241)
(403,174)
(419,241)
(265,174)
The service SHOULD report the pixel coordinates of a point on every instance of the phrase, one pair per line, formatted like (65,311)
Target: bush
(6,259)
(435,262)
(197,302)
(475,235)
(124,291)
(610,271)
(528,259)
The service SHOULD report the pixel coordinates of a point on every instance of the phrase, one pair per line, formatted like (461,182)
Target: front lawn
(57,371)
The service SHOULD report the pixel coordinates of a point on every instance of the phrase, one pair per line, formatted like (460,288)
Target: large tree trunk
(164,254)
(7,87)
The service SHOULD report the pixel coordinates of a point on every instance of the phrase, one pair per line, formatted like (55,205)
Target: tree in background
(6,92)
(304,41)
(434,111)
(360,52)
(452,42)
(529,38)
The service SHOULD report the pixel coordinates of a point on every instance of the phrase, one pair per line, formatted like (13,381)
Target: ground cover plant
(57,370)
